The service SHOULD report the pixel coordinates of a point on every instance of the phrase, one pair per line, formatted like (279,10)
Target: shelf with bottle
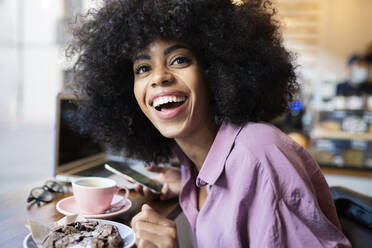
(353,102)
(320,133)
(346,171)
(343,124)
(341,141)
(343,153)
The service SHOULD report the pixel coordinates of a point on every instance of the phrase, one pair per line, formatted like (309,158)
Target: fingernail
(165,189)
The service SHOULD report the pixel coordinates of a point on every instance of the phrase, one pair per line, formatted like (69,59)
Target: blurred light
(237,2)
(45,4)
(296,105)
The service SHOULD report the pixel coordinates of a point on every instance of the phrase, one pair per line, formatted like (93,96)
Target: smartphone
(134,176)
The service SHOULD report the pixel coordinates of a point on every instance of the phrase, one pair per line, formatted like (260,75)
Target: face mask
(359,75)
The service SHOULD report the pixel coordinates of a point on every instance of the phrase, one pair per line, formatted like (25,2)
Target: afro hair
(249,73)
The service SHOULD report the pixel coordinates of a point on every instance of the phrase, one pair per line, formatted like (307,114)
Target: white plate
(67,206)
(126,234)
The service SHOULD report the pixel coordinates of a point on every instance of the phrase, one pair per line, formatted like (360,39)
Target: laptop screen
(73,146)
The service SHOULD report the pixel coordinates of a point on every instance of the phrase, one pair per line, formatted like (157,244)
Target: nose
(161,77)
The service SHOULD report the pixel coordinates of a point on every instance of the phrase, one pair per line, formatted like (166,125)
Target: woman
(199,80)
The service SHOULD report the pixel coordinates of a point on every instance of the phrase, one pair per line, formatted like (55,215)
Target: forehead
(159,45)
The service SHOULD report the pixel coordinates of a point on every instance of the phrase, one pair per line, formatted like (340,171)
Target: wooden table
(14,213)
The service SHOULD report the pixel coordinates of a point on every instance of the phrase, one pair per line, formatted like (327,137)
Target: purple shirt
(264,190)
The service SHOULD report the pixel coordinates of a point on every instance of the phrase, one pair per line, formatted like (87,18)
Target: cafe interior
(331,115)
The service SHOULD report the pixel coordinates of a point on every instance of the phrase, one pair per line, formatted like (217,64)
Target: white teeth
(167,99)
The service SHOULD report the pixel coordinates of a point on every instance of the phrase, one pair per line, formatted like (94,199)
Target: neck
(197,145)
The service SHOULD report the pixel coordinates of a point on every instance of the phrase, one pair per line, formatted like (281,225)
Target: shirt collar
(181,155)
(215,161)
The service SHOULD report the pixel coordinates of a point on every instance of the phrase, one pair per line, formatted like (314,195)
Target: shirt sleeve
(300,223)
(293,206)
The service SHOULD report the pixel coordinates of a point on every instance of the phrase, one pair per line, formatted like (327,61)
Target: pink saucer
(67,206)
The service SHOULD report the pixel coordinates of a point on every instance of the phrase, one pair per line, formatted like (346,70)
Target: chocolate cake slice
(84,234)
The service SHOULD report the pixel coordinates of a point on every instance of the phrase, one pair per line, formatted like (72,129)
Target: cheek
(139,94)
(201,89)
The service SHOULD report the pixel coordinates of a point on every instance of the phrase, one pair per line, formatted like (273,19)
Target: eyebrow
(142,56)
(166,52)
(173,48)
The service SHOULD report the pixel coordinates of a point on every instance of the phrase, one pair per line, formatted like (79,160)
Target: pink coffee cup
(93,195)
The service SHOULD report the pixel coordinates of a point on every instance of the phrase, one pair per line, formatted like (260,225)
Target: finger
(158,169)
(149,215)
(146,207)
(143,190)
(169,231)
(148,193)
(164,192)
(143,243)
(155,239)
(139,189)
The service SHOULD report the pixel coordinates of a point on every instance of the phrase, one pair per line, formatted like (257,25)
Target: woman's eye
(142,69)
(180,60)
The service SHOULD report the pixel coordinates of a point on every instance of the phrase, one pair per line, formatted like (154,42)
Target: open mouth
(168,102)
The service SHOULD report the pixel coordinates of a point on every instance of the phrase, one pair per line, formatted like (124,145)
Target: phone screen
(137,176)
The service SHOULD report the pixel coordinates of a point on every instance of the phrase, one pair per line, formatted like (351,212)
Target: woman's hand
(170,177)
(153,230)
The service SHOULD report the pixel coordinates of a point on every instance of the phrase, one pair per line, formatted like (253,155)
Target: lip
(167,93)
(167,114)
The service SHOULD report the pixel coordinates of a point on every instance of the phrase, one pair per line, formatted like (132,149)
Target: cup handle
(121,203)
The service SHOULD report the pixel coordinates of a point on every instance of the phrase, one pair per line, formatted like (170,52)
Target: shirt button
(200,182)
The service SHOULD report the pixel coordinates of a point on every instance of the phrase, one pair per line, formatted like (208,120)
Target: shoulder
(344,85)
(258,137)
(268,144)
(345,88)
(287,166)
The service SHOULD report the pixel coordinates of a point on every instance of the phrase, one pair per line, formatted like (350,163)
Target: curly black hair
(250,74)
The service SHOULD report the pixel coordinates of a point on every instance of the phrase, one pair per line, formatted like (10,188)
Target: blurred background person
(356,84)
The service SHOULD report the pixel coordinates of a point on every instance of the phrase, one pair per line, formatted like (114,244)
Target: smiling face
(170,89)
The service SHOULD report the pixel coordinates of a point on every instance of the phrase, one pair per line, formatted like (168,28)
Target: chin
(171,131)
